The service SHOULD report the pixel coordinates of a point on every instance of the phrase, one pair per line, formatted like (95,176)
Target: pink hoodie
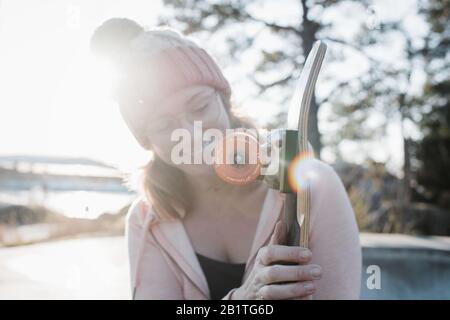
(163,264)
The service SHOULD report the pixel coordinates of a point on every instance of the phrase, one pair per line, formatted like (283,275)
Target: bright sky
(54,95)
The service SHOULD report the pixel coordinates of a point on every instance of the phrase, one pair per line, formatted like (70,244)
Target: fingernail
(316,272)
(308,286)
(304,254)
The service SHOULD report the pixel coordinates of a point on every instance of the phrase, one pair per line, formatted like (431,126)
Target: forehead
(182,99)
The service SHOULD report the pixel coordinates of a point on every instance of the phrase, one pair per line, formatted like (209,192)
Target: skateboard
(297,207)
(294,148)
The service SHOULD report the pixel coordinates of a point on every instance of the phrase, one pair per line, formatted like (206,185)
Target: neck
(209,191)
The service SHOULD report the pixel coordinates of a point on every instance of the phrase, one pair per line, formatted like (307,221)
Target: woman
(190,234)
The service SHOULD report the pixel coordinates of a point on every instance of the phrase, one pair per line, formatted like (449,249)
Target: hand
(268,277)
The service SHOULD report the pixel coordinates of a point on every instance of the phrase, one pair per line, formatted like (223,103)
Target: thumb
(279,233)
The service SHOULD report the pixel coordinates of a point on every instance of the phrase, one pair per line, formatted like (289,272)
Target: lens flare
(299,173)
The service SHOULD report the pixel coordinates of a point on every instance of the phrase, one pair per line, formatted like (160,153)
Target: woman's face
(198,103)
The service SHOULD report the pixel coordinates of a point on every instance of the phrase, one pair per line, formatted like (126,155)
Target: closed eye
(201,109)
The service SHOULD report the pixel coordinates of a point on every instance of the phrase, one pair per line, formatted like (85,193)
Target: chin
(198,169)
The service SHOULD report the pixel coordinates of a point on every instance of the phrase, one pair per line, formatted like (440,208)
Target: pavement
(84,268)
(97,268)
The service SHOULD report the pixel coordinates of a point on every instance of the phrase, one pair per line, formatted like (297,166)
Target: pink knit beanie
(153,64)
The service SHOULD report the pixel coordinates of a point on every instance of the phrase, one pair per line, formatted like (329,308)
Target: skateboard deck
(297,205)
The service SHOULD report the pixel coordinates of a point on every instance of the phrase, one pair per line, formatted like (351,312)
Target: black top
(221,276)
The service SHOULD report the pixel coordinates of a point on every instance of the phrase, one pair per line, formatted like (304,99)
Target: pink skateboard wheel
(237,159)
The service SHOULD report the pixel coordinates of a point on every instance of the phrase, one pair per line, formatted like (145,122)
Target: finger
(277,233)
(282,273)
(286,291)
(279,253)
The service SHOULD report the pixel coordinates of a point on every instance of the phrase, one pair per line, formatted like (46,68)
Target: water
(76,188)
(73,204)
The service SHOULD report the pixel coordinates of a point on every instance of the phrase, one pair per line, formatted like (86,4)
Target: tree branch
(273,26)
(263,87)
(333,91)
(352,46)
